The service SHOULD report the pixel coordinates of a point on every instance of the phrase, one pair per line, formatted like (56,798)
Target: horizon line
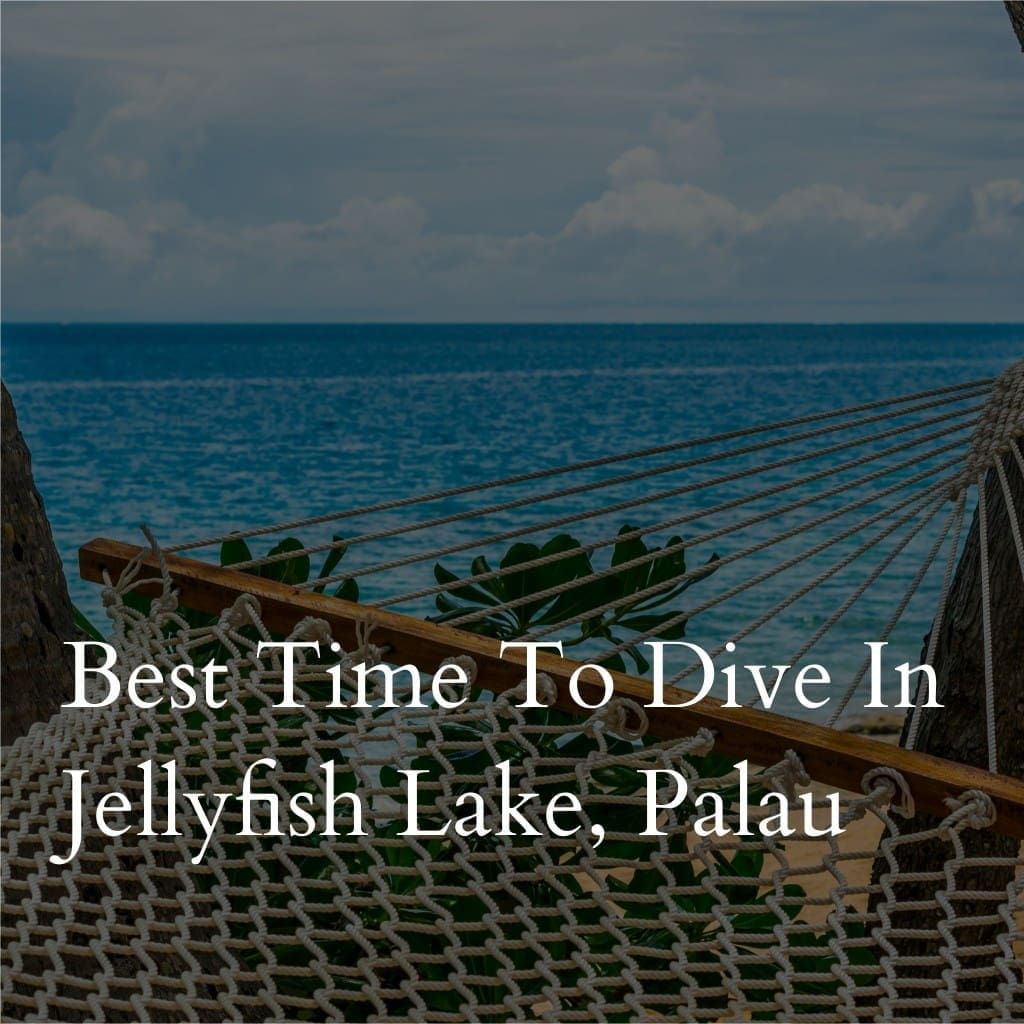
(508,323)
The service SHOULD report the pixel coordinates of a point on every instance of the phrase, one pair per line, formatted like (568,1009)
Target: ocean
(200,429)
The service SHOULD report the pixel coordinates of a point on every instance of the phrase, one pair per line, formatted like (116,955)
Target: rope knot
(972,807)
(547,693)
(622,716)
(700,744)
(884,784)
(244,611)
(164,605)
(468,665)
(788,774)
(312,628)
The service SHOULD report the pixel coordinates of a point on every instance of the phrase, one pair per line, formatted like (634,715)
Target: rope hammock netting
(813,534)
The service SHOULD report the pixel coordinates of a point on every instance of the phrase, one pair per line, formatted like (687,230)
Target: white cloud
(500,161)
(680,149)
(818,206)
(642,250)
(696,217)
(685,212)
(62,225)
(641,163)
(999,208)
(692,147)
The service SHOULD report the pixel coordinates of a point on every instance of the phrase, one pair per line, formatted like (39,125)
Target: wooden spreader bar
(831,757)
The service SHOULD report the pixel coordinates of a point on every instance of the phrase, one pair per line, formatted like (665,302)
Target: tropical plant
(506,606)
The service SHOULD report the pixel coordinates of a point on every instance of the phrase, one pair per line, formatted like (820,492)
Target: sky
(472,162)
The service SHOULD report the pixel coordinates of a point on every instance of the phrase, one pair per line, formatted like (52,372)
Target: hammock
(794,533)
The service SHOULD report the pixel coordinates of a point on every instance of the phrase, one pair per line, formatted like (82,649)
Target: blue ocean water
(201,429)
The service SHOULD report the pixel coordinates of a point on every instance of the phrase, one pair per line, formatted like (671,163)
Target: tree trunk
(35,615)
(1015,9)
(957,731)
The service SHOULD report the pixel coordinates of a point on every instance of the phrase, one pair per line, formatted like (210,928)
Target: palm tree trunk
(35,614)
(957,731)
(1015,9)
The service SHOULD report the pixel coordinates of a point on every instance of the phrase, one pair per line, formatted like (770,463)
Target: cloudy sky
(512,162)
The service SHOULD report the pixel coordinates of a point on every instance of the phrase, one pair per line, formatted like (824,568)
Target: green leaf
(669,566)
(472,594)
(643,666)
(613,662)
(495,587)
(292,571)
(83,623)
(234,551)
(634,579)
(334,556)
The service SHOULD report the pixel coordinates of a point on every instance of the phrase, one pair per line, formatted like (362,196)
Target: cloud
(63,226)
(826,206)
(651,245)
(692,147)
(489,162)
(680,149)
(696,217)
(360,223)
(999,208)
(685,212)
(641,163)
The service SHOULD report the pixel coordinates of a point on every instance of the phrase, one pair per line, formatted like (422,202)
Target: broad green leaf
(292,570)
(643,666)
(334,556)
(83,623)
(613,662)
(234,551)
(472,594)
